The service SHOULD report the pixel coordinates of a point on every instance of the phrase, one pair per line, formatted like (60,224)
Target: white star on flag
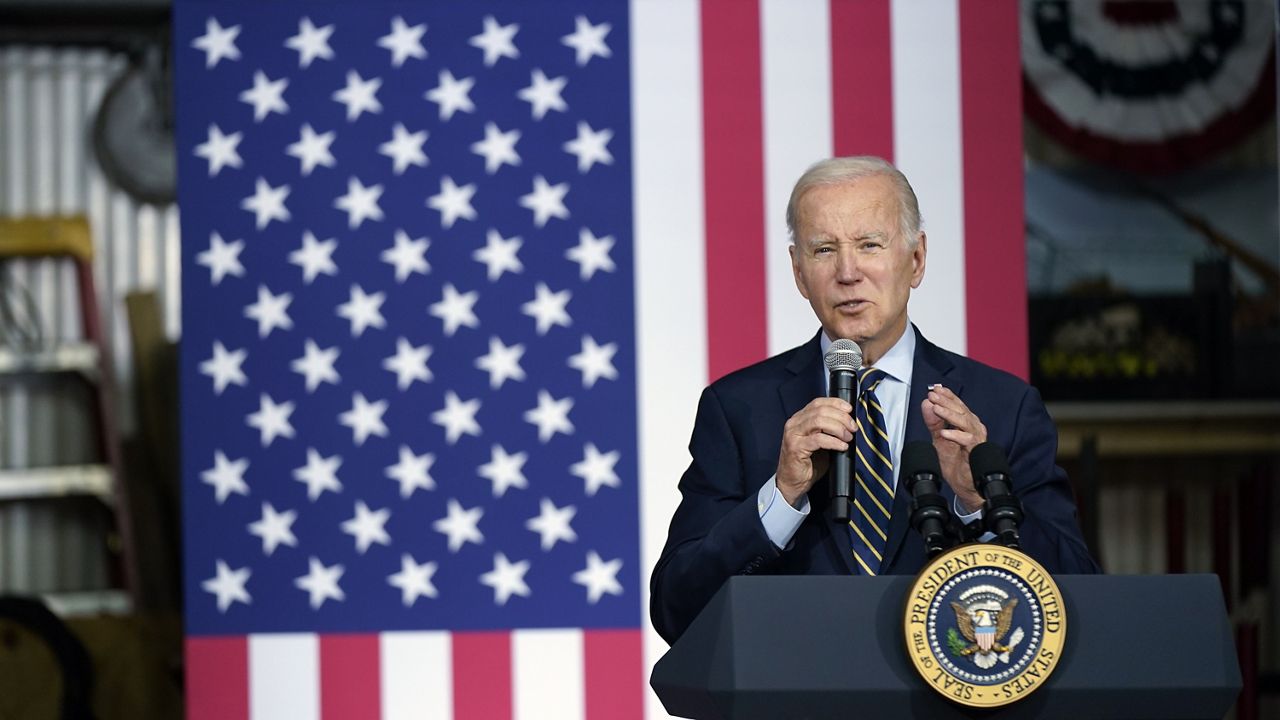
(596,469)
(359,95)
(499,254)
(590,147)
(452,95)
(552,523)
(594,361)
(271,311)
(501,362)
(315,257)
(587,40)
(226,476)
(275,528)
(546,201)
(312,43)
(368,527)
(403,41)
(404,148)
(457,417)
(412,471)
(460,525)
(267,203)
(551,416)
(321,583)
(220,150)
(224,367)
(271,420)
(453,202)
(409,363)
(320,474)
(222,258)
(311,149)
(591,253)
(363,310)
(360,203)
(364,418)
(504,470)
(497,148)
(217,42)
(455,309)
(548,308)
(316,365)
(408,255)
(543,94)
(266,96)
(497,41)
(228,586)
(414,580)
(506,579)
(599,577)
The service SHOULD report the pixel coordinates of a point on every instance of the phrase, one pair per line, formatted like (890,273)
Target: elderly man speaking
(755,495)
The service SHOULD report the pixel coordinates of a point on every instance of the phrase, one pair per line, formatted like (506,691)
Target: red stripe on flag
(482,688)
(733,162)
(861,78)
(350,684)
(217,678)
(613,662)
(991,126)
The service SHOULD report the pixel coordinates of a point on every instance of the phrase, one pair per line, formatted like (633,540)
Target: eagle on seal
(984,627)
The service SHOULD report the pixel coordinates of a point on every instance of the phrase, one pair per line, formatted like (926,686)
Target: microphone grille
(843,355)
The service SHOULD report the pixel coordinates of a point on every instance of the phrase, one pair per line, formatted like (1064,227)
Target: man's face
(853,264)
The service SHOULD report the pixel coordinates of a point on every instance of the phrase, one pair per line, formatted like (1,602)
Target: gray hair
(837,171)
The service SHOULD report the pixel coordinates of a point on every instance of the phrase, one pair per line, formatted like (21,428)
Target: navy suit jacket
(716,531)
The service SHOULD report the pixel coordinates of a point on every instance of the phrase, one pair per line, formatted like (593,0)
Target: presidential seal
(984,625)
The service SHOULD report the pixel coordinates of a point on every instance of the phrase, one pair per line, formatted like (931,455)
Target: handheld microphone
(992,479)
(843,360)
(929,513)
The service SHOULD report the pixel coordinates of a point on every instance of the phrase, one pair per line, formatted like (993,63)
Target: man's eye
(822,251)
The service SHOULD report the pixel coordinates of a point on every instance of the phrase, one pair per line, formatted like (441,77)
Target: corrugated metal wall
(48,99)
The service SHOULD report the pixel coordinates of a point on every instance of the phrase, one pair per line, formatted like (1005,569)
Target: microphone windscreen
(843,354)
(988,458)
(919,456)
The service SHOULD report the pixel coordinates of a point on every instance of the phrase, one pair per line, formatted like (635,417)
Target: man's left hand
(956,431)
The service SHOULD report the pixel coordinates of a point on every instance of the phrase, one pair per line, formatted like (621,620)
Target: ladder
(68,238)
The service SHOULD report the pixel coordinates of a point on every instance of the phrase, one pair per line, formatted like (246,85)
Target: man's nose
(847,267)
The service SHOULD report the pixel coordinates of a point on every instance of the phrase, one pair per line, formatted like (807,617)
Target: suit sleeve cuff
(780,520)
(964,517)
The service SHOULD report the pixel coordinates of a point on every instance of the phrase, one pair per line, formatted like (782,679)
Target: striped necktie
(873,472)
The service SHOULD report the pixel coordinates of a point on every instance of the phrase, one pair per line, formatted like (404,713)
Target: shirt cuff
(959,511)
(780,520)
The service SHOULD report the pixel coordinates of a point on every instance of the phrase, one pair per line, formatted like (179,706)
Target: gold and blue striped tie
(873,473)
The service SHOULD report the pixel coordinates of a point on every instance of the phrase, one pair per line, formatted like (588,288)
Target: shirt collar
(896,363)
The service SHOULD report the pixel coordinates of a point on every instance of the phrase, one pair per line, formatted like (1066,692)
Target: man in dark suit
(755,496)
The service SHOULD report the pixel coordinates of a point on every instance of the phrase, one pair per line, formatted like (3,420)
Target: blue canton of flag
(408,394)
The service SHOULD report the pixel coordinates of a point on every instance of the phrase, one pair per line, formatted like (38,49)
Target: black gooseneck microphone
(992,479)
(844,360)
(923,476)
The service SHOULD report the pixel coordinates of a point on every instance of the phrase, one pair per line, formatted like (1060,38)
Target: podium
(1138,646)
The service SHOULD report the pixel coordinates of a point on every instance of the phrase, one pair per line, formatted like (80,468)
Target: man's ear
(796,259)
(918,259)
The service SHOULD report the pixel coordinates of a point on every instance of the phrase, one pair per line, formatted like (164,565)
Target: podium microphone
(923,476)
(844,360)
(992,479)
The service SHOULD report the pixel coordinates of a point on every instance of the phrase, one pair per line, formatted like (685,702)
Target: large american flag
(455,273)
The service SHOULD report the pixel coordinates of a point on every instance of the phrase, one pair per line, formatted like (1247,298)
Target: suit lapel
(929,367)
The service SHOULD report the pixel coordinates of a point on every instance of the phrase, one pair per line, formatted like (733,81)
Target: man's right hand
(823,424)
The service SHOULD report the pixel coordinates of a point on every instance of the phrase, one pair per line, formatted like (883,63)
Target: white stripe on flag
(547,674)
(284,676)
(926,141)
(417,676)
(671,324)
(796,55)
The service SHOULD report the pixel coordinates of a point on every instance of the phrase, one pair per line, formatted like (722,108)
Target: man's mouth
(850,305)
